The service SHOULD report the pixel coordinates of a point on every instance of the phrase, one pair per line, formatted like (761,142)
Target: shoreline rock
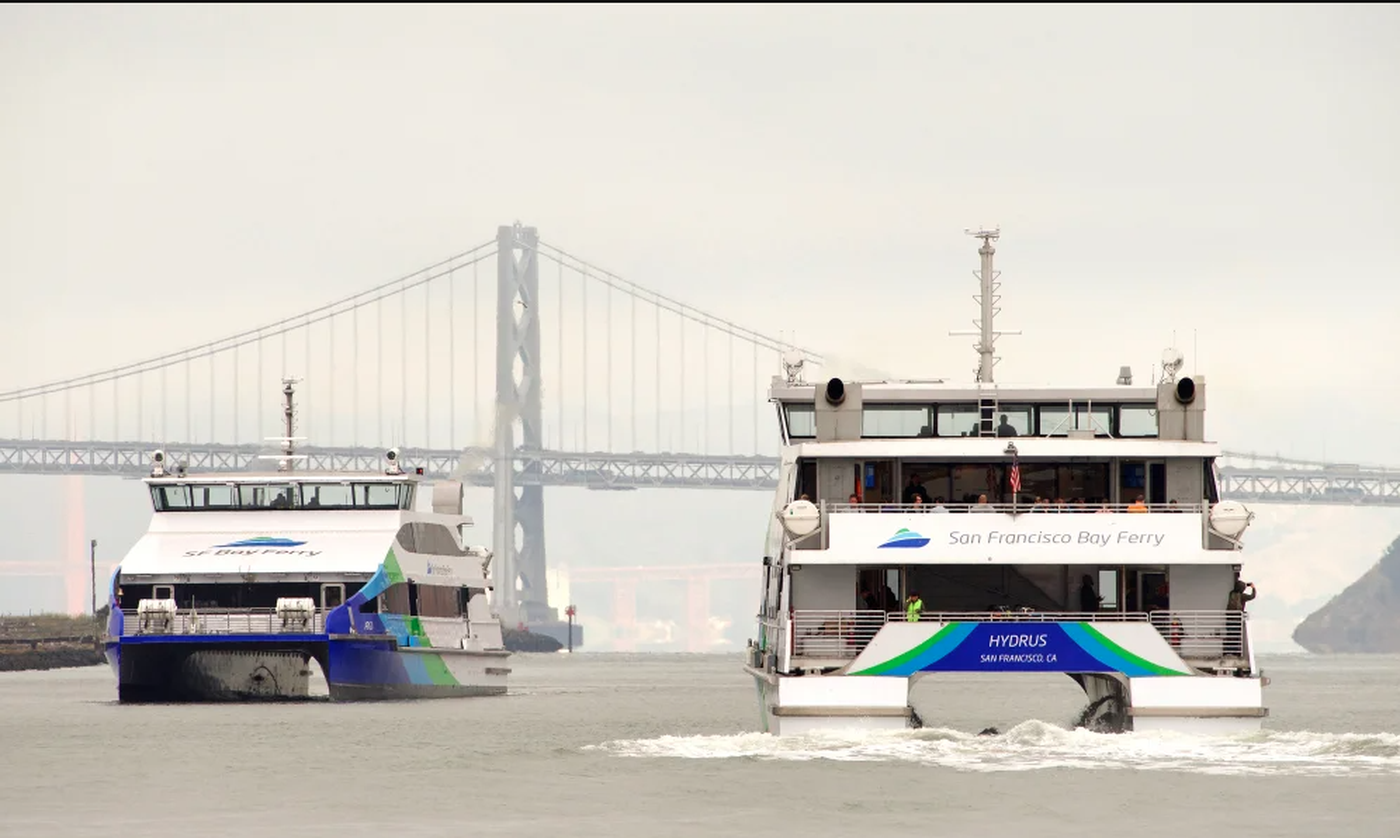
(1363,618)
(520,640)
(42,656)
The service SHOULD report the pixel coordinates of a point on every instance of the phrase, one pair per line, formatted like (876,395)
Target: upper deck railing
(1019,508)
(1194,635)
(222,621)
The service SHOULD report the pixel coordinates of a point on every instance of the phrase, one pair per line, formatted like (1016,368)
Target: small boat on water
(242,581)
(922,527)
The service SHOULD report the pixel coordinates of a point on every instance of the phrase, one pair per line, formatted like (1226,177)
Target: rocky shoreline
(49,654)
(39,643)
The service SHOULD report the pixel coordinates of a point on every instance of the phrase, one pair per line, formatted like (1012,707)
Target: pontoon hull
(1132,677)
(172,669)
(378,669)
(273,667)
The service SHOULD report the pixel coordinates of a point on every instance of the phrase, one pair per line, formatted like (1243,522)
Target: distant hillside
(1363,618)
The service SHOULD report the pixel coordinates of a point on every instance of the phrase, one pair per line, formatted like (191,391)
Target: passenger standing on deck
(915,488)
(914,609)
(1089,601)
(1234,627)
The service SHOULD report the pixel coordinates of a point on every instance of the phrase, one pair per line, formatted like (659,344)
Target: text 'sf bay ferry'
(1042,529)
(243,580)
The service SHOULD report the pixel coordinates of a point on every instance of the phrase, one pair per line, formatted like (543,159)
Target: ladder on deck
(987,410)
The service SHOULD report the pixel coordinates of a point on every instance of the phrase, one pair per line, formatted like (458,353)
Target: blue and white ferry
(925,527)
(243,582)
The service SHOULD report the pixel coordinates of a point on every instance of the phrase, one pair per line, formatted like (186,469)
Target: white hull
(1203,705)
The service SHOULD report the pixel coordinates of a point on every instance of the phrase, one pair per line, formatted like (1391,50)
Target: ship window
(801,421)
(1108,589)
(896,420)
(957,420)
(1137,420)
(438,601)
(382,495)
(265,496)
(1055,421)
(193,498)
(326,496)
(1096,418)
(170,498)
(1017,416)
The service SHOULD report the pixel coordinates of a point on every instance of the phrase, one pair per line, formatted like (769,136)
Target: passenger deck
(1210,641)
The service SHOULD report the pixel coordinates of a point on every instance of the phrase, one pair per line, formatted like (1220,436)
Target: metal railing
(216,621)
(1018,508)
(1195,635)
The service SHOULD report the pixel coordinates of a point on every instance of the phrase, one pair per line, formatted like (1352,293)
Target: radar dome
(1230,518)
(800,518)
(1172,359)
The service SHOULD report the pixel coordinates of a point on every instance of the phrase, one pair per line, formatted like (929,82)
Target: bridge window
(266,496)
(896,420)
(801,421)
(1019,417)
(194,497)
(1056,420)
(957,420)
(383,496)
(326,496)
(1137,420)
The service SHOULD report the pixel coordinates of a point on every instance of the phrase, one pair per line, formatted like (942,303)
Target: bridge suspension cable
(344,305)
(665,303)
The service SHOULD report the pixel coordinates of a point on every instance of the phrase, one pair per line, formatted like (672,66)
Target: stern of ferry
(160,653)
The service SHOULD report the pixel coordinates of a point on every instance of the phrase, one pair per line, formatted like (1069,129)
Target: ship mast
(288,457)
(289,424)
(987,299)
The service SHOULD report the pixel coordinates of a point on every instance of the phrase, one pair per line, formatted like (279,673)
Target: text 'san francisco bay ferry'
(243,580)
(926,527)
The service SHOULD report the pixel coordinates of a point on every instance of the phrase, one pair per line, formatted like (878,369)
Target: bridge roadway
(1277,481)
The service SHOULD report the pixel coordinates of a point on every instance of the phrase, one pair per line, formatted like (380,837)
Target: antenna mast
(987,298)
(288,416)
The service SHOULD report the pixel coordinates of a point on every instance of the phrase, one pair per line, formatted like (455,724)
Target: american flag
(1015,475)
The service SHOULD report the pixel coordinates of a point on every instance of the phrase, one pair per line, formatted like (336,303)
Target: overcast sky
(1230,174)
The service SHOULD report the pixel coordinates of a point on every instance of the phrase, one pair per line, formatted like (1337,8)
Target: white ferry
(242,581)
(924,527)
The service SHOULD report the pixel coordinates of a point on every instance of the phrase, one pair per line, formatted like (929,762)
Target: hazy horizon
(1222,178)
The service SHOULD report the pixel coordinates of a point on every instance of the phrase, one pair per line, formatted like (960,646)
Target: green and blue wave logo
(263,541)
(905,538)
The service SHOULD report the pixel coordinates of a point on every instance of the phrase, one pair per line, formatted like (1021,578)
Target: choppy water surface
(631,745)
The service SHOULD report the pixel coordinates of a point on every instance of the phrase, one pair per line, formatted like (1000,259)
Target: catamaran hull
(371,670)
(1133,679)
(790,705)
(279,668)
(247,670)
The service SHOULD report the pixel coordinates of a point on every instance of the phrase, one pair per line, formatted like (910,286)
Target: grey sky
(1228,170)
(173,174)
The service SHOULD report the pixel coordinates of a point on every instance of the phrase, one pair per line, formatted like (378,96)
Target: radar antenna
(287,457)
(987,298)
(1171,363)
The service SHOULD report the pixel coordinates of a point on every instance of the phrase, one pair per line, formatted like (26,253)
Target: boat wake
(1036,745)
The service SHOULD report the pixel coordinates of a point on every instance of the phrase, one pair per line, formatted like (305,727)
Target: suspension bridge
(450,364)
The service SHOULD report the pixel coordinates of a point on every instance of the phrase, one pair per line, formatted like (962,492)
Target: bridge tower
(518,511)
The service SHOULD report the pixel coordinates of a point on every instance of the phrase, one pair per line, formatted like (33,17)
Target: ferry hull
(1133,680)
(278,667)
(790,705)
(235,669)
(370,670)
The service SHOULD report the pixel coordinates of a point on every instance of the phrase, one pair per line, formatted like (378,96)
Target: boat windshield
(244,497)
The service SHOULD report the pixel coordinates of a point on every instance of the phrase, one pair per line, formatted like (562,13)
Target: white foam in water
(1037,745)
